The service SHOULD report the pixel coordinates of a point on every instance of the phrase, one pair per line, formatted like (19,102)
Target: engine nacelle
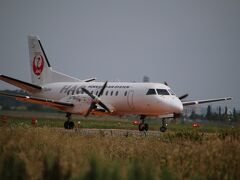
(81,103)
(177,115)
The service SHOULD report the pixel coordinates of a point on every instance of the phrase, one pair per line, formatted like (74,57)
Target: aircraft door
(130,99)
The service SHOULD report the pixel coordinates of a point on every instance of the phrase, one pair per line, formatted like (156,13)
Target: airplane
(88,97)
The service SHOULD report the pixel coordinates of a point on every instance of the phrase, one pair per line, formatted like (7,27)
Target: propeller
(96,100)
(183,96)
(180,97)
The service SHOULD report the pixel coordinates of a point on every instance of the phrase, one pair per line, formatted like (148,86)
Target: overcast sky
(194,45)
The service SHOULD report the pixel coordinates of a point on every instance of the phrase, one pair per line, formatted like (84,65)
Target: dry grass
(44,153)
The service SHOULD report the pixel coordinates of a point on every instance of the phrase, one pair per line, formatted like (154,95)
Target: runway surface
(112,132)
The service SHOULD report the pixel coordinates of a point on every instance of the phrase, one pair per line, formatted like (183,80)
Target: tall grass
(45,153)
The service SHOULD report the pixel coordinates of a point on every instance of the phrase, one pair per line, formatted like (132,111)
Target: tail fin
(41,70)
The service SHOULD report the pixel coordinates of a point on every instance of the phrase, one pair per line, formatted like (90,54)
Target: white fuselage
(123,98)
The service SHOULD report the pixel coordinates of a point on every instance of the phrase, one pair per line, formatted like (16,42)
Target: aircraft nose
(177,106)
(171,105)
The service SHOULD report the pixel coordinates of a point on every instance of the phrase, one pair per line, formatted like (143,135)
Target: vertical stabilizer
(41,70)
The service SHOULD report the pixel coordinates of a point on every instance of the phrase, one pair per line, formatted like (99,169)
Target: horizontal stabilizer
(188,103)
(89,80)
(41,101)
(21,84)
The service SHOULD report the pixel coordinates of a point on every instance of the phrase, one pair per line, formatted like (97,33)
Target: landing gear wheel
(141,127)
(68,124)
(163,129)
(71,125)
(146,127)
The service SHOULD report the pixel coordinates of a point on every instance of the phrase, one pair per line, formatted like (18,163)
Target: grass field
(181,153)
(18,118)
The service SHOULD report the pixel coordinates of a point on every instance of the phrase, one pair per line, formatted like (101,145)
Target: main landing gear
(68,124)
(163,128)
(143,126)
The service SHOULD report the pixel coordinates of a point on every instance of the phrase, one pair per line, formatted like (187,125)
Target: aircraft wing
(21,84)
(188,103)
(41,101)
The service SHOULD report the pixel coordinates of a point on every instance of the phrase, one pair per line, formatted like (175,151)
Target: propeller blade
(165,83)
(88,93)
(96,100)
(91,107)
(104,106)
(183,96)
(101,91)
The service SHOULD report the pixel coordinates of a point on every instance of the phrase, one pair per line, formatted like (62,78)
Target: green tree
(220,113)
(234,115)
(226,110)
(225,116)
(209,113)
(193,115)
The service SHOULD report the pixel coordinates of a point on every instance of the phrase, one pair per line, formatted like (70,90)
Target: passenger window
(151,92)
(125,93)
(162,92)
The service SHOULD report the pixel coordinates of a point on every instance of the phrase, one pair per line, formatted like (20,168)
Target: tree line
(224,114)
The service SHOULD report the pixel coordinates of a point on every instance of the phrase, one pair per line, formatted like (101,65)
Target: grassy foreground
(48,153)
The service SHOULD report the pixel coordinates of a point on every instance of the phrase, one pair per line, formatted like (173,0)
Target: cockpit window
(171,92)
(162,92)
(151,92)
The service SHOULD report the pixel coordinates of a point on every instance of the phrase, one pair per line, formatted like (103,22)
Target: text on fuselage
(76,89)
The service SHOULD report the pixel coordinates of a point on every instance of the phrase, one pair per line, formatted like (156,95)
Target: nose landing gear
(143,126)
(163,128)
(68,124)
